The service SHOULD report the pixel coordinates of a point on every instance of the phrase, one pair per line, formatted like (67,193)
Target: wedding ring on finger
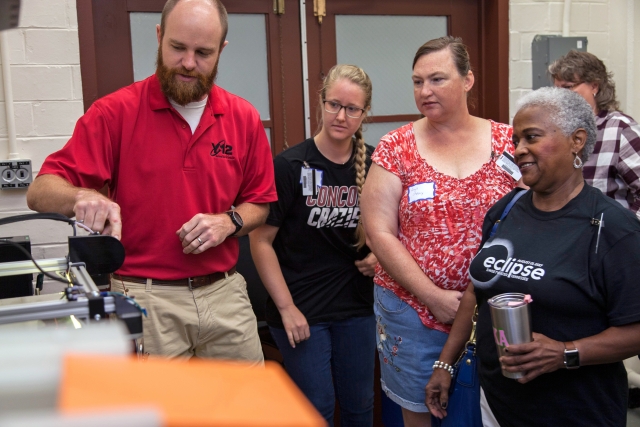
(199,240)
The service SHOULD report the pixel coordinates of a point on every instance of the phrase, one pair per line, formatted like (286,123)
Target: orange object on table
(194,393)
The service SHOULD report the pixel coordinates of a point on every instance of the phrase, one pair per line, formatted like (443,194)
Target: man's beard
(183,92)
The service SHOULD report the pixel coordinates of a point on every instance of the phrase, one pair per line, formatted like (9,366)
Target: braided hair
(355,75)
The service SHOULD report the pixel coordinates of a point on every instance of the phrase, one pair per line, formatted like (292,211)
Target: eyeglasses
(334,108)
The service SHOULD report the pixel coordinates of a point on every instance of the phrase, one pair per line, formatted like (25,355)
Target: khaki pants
(214,321)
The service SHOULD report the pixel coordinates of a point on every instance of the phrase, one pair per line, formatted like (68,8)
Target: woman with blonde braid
(312,259)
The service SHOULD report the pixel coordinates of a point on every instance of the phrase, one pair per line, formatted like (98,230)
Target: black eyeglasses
(334,108)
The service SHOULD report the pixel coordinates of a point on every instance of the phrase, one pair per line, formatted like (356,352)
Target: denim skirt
(407,350)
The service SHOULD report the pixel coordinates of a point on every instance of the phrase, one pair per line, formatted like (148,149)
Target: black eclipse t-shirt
(576,293)
(315,240)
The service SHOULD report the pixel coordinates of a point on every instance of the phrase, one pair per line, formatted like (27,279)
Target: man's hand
(205,231)
(98,212)
(367,266)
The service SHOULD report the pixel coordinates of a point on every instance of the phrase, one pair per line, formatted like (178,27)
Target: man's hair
(222,15)
(567,110)
(579,67)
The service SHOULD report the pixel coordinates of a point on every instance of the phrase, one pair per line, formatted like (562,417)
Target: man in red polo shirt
(187,167)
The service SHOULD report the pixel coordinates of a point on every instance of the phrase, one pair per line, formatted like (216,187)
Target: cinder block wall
(603,22)
(47,93)
(47,87)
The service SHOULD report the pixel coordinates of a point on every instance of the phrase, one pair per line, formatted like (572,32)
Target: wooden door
(375,30)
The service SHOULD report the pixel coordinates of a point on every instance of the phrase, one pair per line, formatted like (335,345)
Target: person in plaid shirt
(614,167)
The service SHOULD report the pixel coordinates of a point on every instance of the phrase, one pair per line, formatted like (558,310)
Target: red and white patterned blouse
(442,233)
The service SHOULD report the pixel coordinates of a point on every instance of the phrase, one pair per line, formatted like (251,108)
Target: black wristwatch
(236,219)
(571,356)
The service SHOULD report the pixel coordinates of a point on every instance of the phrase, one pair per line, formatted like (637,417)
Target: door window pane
(372,132)
(268,131)
(384,46)
(144,44)
(243,64)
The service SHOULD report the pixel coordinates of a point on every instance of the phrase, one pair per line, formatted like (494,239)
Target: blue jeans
(336,361)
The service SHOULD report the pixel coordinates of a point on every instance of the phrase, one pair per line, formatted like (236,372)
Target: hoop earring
(577,162)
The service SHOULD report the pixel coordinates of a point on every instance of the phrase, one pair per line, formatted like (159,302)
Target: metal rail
(47,310)
(43,310)
(15,268)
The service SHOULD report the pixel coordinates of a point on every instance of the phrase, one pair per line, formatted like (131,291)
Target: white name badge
(311,180)
(507,162)
(422,191)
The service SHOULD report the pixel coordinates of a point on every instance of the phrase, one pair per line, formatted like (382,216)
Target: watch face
(237,218)
(572,359)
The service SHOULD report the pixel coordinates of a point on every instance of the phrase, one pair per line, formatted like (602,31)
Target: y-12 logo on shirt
(221,149)
(335,206)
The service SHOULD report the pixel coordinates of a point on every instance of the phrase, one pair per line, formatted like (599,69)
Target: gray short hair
(568,110)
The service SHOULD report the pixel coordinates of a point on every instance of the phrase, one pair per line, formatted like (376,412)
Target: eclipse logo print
(496,259)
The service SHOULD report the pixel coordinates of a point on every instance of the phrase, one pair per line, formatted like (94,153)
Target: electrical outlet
(15,173)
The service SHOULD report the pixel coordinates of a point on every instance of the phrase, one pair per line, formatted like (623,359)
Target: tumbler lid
(508,300)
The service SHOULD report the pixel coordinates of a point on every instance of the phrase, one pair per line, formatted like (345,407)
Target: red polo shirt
(161,174)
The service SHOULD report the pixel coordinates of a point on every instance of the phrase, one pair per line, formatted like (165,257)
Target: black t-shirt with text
(315,240)
(576,293)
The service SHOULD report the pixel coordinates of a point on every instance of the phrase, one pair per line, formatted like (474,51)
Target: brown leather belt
(191,282)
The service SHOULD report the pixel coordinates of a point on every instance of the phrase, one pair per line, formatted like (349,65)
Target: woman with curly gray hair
(586,303)
(614,167)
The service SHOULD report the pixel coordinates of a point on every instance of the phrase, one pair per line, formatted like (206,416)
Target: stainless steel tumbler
(511,319)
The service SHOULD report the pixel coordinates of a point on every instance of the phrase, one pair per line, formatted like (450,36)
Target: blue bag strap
(513,201)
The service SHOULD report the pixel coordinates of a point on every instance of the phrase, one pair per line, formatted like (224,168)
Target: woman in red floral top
(426,195)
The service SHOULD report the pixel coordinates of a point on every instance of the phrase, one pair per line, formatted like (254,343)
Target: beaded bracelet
(442,365)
